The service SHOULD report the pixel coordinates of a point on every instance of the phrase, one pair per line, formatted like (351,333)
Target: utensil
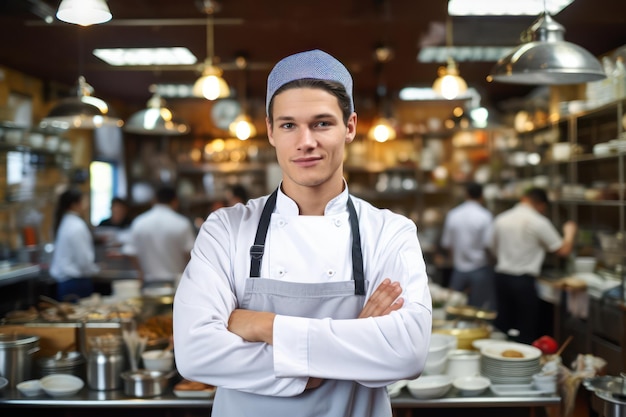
(143,383)
(564,345)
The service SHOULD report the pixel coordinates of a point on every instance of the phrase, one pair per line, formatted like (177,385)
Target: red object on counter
(546,344)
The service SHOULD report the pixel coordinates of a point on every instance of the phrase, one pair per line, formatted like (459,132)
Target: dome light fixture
(210,85)
(545,58)
(81,112)
(84,12)
(156,119)
(382,130)
(449,84)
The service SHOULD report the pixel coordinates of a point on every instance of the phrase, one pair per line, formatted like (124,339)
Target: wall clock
(224,111)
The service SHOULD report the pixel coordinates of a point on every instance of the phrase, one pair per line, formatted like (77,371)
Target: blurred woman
(73,261)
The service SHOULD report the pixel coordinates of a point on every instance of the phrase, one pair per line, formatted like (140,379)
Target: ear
(270,131)
(351,128)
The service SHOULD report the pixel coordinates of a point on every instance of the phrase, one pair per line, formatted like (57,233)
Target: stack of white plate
(503,369)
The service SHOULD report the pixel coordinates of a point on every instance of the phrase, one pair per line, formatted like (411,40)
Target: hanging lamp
(449,84)
(242,127)
(546,58)
(211,85)
(81,112)
(156,119)
(84,12)
(383,126)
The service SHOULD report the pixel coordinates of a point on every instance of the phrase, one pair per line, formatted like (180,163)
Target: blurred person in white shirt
(466,234)
(160,240)
(73,261)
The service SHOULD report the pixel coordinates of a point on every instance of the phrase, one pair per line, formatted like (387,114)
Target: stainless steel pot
(16,352)
(143,383)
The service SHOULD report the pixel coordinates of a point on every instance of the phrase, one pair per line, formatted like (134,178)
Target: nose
(306,139)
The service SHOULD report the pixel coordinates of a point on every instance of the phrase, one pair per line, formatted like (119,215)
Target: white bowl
(30,388)
(462,362)
(432,367)
(471,385)
(440,345)
(61,385)
(430,386)
(394,389)
(3,383)
(158,360)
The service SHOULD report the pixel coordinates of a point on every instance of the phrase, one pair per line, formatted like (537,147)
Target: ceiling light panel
(146,56)
(462,53)
(505,7)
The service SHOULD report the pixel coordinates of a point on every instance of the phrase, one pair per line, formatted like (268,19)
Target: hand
(384,300)
(570,228)
(313,383)
(252,326)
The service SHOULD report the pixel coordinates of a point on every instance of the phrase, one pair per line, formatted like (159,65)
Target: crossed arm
(257,326)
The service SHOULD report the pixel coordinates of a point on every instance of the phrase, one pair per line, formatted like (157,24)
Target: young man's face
(309,136)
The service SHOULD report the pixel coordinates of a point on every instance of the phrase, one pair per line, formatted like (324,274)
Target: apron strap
(357,254)
(256,251)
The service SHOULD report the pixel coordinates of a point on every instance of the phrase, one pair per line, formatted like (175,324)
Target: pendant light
(84,12)
(242,127)
(449,84)
(211,85)
(81,112)
(156,119)
(546,58)
(383,127)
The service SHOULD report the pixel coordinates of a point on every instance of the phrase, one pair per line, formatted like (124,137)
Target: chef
(308,301)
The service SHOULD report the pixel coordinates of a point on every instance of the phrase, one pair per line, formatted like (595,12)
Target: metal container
(465,331)
(105,364)
(16,352)
(143,383)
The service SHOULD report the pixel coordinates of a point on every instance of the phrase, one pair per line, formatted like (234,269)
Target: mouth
(307,161)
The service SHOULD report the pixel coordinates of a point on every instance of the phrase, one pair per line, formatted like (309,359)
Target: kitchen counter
(12,273)
(117,399)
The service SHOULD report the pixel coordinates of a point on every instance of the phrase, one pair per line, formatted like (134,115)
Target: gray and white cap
(314,64)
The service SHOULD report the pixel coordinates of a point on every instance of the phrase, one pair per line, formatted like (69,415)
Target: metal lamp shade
(154,122)
(81,112)
(547,59)
(156,119)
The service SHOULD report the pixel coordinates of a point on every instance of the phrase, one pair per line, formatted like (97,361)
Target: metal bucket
(16,352)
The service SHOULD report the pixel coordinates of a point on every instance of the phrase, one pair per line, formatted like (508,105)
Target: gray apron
(337,300)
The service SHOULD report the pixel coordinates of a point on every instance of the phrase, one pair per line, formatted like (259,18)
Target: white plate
(478,344)
(494,351)
(205,393)
(517,390)
(3,382)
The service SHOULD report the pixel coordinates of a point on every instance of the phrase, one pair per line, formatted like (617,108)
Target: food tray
(517,390)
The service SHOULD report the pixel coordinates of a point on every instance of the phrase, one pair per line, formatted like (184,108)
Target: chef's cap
(313,64)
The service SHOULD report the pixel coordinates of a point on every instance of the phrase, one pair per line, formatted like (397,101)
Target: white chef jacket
(374,351)
(74,254)
(466,232)
(161,239)
(521,238)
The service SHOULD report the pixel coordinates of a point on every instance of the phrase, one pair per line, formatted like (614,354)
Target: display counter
(402,404)
(12,273)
